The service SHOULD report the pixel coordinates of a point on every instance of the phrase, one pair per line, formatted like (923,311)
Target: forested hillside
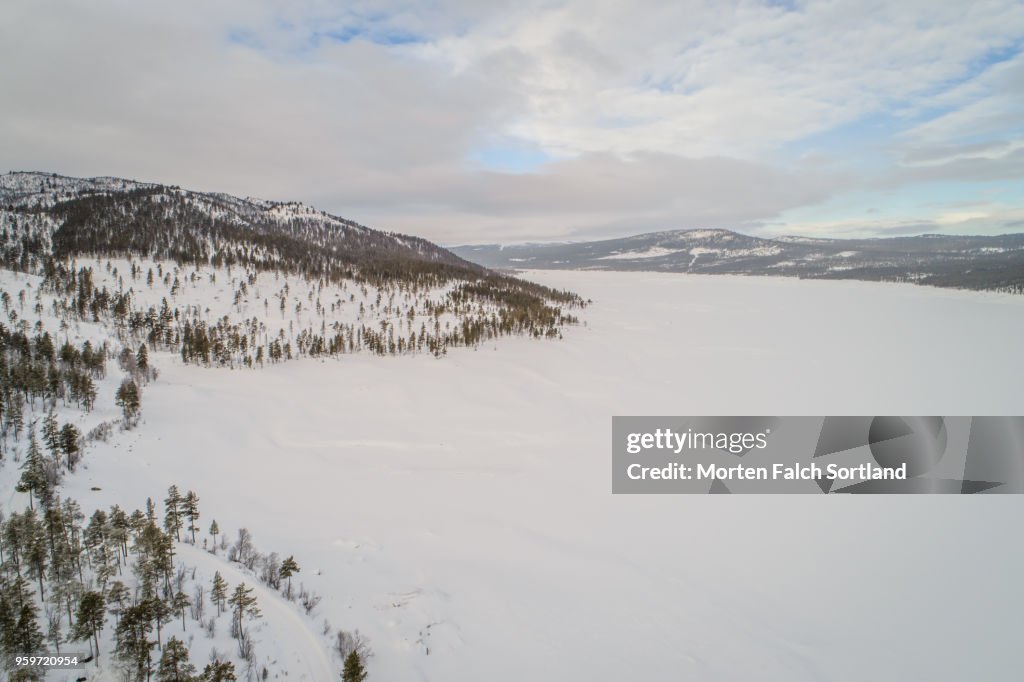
(49,223)
(103,279)
(110,587)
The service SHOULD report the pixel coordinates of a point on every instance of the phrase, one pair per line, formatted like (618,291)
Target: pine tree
(117,596)
(353,670)
(190,507)
(159,612)
(214,531)
(289,567)
(174,663)
(28,638)
(36,548)
(51,434)
(14,594)
(132,639)
(172,510)
(243,602)
(92,614)
(120,524)
(128,399)
(33,472)
(69,437)
(219,592)
(16,414)
(8,621)
(219,671)
(179,603)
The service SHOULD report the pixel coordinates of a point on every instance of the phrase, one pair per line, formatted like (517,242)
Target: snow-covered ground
(459,511)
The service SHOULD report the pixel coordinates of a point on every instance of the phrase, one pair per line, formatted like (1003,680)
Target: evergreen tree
(28,638)
(190,507)
(91,617)
(69,438)
(33,472)
(117,596)
(132,640)
(174,663)
(14,595)
(219,671)
(128,399)
(51,434)
(179,603)
(120,524)
(214,531)
(354,671)
(243,603)
(35,548)
(8,621)
(289,567)
(159,612)
(219,592)
(172,512)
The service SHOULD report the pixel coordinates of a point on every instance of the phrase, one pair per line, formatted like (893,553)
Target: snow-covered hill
(99,275)
(47,222)
(21,192)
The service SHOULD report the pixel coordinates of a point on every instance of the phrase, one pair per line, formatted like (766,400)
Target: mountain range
(971,262)
(45,215)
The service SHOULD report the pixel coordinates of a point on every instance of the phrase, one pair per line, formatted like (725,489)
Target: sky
(465,121)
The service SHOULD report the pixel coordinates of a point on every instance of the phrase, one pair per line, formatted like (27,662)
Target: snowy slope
(459,512)
(287,642)
(299,652)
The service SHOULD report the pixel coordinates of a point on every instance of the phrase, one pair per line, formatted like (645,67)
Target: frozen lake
(459,510)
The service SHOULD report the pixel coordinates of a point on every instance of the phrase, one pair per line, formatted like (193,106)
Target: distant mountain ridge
(971,262)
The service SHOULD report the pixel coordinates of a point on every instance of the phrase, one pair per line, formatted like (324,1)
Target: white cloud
(656,114)
(706,79)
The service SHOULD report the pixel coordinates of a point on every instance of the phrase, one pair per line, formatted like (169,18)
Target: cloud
(589,194)
(614,117)
(987,218)
(176,102)
(700,79)
(980,137)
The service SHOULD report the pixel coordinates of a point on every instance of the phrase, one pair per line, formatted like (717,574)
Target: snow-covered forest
(109,584)
(101,280)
